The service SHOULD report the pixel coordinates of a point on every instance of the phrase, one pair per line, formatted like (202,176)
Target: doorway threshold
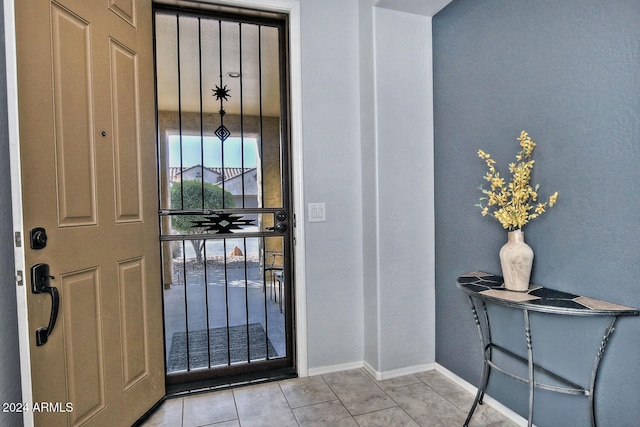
(224,383)
(219,384)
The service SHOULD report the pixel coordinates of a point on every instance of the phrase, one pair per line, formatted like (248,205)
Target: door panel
(73,110)
(134,321)
(126,148)
(87,132)
(126,9)
(84,349)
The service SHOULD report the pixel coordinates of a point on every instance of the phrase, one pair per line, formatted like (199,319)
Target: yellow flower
(513,200)
(483,155)
(497,182)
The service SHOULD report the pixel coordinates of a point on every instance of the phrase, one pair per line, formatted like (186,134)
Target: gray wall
(10,390)
(403,191)
(567,72)
(367,144)
(331,144)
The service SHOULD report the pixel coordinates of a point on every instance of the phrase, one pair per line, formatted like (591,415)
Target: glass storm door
(224,194)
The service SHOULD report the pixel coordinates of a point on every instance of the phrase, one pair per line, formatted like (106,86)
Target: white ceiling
(203,69)
(419,7)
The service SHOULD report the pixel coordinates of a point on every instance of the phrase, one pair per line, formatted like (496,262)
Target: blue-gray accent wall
(567,72)
(10,390)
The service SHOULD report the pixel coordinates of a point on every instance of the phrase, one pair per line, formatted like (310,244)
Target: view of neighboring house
(242,183)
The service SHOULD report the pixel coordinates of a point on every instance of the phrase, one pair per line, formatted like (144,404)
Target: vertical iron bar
(281,281)
(285,182)
(180,112)
(260,106)
(226,297)
(246,297)
(266,313)
(221,110)
(201,116)
(186,303)
(284,119)
(206,302)
(241,114)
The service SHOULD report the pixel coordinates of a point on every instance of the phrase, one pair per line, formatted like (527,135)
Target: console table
(485,288)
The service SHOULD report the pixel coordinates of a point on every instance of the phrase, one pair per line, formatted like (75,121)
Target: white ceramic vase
(516,258)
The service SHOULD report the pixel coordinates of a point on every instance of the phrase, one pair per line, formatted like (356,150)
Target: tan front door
(87,141)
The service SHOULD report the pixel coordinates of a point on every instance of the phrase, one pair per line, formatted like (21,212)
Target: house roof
(229,173)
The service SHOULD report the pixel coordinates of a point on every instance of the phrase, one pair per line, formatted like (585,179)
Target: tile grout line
(287,400)
(396,402)
(376,382)
(393,400)
(338,399)
(442,394)
(182,412)
(235,405)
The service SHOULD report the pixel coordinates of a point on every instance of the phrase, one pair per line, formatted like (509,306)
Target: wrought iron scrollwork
(223,222)
(222,94)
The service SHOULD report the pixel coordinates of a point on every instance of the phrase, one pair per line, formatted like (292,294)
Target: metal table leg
(594,370)
(486,368)
(527,332)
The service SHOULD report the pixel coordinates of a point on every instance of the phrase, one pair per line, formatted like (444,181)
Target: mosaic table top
(490,287)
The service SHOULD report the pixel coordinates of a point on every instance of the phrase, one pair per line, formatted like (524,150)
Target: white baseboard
(511,415)
(385,375)
(378,375)
(334,368)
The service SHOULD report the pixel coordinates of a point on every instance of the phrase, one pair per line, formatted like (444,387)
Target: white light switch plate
(317,212)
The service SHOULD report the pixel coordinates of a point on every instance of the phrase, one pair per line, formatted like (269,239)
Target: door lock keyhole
(38,238)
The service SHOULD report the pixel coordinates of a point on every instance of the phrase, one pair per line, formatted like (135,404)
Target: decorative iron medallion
(223,222)
(222,94)
(222,133)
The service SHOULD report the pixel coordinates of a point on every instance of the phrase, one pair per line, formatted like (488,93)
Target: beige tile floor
(342,399)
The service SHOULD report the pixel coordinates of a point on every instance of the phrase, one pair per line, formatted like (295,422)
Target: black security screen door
(224,193)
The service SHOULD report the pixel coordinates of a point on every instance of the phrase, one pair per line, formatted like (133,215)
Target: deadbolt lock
(38,238)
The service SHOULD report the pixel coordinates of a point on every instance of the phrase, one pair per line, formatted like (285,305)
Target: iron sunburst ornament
(222,94)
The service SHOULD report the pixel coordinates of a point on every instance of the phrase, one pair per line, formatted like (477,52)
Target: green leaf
(190,192)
